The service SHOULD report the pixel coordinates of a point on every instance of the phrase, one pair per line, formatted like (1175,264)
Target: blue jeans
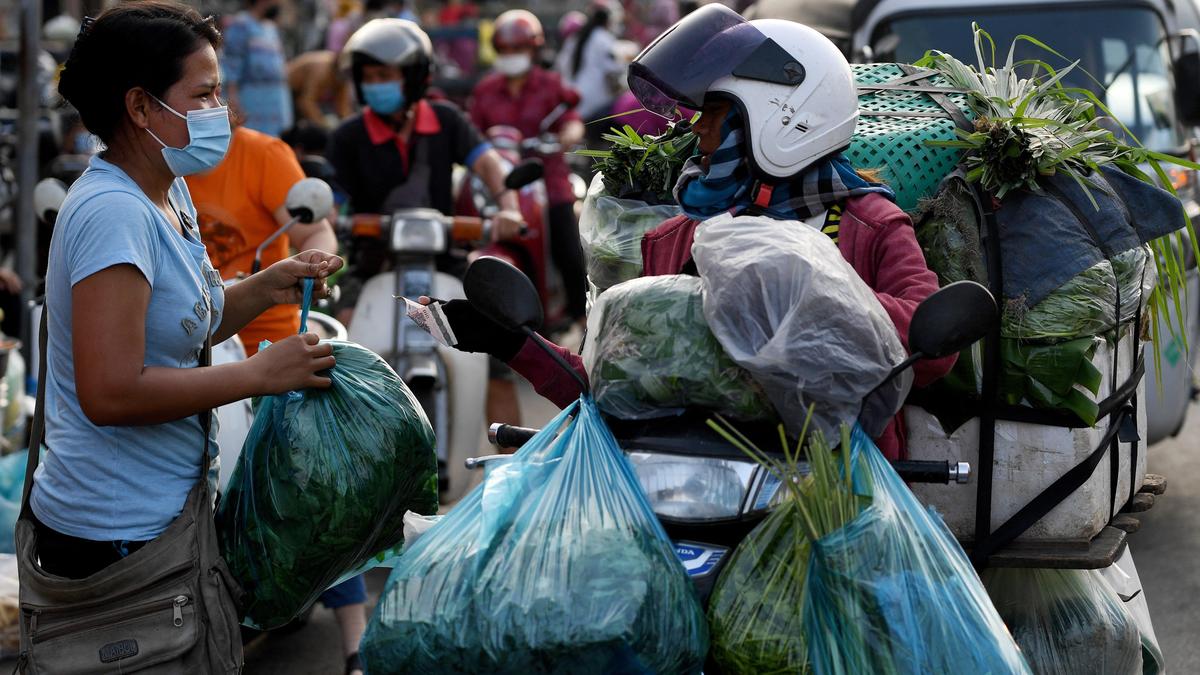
(349,592)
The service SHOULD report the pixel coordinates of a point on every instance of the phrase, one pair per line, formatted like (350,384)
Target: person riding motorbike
(521,94)
(749,163)
(400,152)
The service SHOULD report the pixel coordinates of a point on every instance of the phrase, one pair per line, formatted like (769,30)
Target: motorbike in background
(531,252)
(451,385)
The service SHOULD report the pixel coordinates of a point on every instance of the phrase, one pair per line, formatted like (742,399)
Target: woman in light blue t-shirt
(131,294)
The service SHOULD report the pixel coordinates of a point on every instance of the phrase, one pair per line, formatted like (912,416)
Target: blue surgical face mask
(384,98)
(208,140)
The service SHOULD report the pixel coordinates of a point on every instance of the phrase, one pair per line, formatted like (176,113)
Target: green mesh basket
(894,125)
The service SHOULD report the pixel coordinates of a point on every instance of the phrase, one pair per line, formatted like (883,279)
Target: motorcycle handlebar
(912,471)
(458,228)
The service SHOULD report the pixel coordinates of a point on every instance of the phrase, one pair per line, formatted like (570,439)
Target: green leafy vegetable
(611,231)
(652,354)
(323,483)
(642,168)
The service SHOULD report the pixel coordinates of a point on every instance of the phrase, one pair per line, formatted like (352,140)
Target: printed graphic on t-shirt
(223,241)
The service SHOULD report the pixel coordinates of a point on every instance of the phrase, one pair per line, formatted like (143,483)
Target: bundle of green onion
(756,614)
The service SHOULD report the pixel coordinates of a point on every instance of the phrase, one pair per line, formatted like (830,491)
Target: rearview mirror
(48,196)
(527,172)
(503,294)
(952,319)
(309,200)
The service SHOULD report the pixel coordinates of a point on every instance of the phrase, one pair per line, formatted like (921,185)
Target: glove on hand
(479,334)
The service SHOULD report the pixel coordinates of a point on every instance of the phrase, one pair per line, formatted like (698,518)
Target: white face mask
(513,64)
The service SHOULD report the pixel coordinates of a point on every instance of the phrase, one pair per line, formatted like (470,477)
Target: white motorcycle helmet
(794,88)
(392,42)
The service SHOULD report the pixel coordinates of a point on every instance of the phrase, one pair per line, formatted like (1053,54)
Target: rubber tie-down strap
(1044,503)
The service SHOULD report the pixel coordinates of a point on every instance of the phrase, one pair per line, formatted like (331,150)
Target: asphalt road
(1167,548)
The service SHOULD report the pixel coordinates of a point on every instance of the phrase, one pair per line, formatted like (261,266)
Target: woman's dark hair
(598,19)
(133,44)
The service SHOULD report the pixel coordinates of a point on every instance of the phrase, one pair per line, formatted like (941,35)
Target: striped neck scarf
(729,185)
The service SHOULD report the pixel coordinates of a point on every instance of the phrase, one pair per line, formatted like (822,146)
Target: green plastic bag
(323,483)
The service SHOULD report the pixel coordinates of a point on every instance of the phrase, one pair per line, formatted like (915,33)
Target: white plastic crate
(1028,459)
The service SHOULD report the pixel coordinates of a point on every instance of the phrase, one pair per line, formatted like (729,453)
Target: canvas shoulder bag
(170,607)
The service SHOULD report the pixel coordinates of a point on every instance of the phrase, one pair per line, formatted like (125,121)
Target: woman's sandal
(353,663)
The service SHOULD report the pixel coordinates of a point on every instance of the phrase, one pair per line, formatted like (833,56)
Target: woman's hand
(292,363)
(282,281)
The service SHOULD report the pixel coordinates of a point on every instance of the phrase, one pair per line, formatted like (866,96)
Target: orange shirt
(236,204)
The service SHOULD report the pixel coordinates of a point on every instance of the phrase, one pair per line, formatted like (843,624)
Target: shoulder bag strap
(37,432)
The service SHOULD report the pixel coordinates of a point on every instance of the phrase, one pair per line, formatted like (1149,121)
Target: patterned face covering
(728,185)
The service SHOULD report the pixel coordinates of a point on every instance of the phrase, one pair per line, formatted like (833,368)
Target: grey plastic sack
(788,308)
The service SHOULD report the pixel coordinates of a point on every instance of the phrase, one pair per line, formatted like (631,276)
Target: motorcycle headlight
(695,488)
(418,235)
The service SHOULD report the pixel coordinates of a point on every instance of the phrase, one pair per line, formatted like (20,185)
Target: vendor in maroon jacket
(726,176)
(523,95)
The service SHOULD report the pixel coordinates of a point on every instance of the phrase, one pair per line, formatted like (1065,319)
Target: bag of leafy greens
(322,484)
(652,354)
(611,231)
(555,564)
(1067,621)
(851,574)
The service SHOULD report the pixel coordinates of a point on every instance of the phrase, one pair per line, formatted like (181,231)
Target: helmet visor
(680,65)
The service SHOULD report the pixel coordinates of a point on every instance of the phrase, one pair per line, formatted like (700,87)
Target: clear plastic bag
(322,484)
(651,354)
(890,591)
(611,231)
(788,308)
(555,564)
(1067,621)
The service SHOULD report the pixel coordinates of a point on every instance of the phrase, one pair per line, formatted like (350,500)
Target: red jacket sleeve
(902,281)
(547,377)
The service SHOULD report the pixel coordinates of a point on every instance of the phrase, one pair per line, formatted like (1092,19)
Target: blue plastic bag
(12,484)
(891,591)
(555,564)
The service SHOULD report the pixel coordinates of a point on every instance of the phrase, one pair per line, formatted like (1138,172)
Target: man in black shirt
(401,150)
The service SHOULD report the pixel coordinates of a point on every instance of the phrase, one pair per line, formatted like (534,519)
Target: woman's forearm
(159,395)
(244,301)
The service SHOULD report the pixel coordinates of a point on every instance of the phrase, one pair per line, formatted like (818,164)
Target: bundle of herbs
(631,195)
(1031,127)
(850,574)
(643,168)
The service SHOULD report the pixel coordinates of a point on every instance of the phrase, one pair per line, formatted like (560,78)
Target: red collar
(380,131)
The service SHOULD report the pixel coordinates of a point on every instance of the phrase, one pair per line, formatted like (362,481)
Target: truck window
(1123,48)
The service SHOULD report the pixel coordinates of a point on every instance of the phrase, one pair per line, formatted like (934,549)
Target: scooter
(707,494)
(448,383)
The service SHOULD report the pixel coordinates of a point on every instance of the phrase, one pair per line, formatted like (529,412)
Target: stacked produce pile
(555,564)
(1081,229)
(850,574)
(322,484)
